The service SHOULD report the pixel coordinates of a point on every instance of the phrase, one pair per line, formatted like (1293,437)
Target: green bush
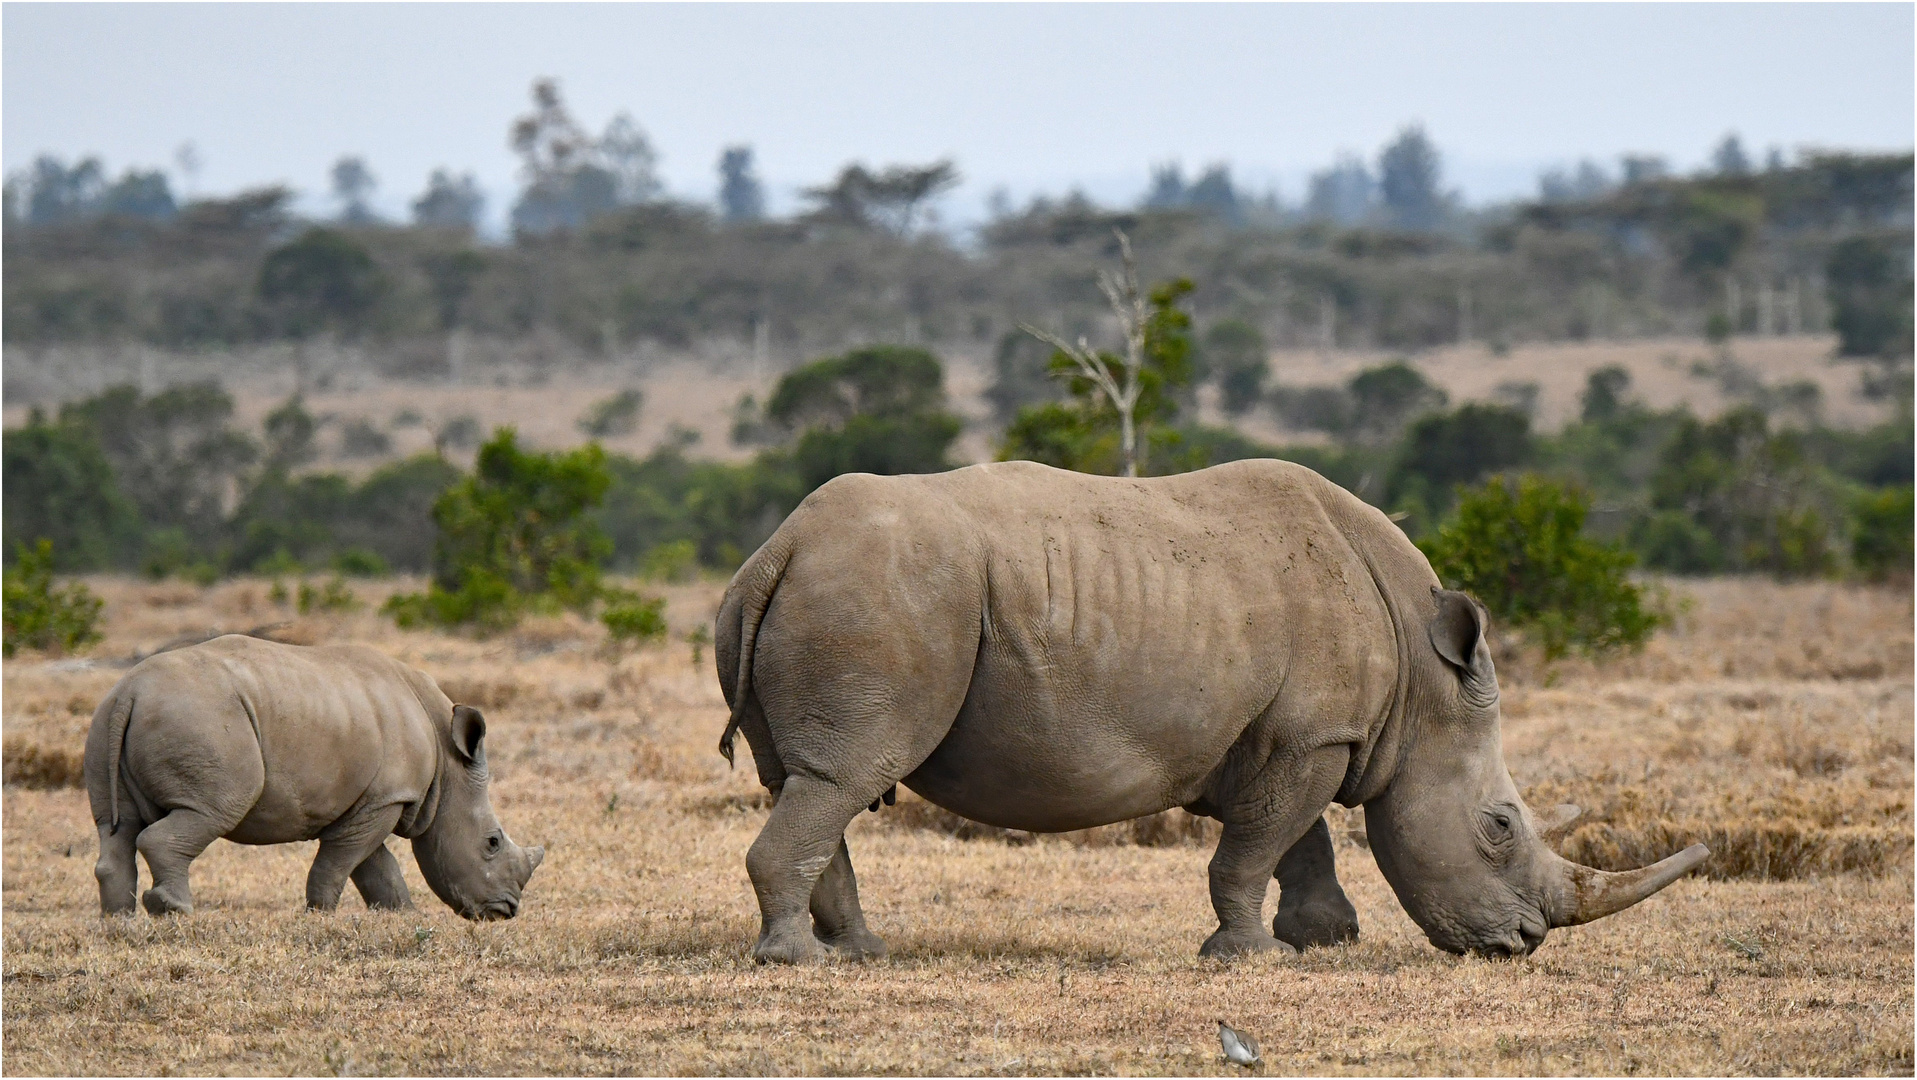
(1520,548)
(332,596)
(359,562)
(513,536)
(1765,504)
(1443,450)
(877,410)
(39,616)
(676,561)
(630,617)
(58,484)
(1880,546)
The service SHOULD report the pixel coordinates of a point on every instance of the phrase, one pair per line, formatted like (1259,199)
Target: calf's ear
(469,734)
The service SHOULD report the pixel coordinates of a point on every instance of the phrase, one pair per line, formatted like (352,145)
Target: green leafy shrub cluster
(124,480)
(516,535)
(631,618)
(1519,547)
(39,615)
(1881,534)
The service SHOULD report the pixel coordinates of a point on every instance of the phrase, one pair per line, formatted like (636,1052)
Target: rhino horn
(1592,894)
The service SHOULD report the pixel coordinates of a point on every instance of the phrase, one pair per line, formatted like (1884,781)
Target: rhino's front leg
(380,882)
(837,918)
(1263,819)
(1312,907)
(344,846)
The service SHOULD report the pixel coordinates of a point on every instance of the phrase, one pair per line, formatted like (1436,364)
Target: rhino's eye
(1497,825)
(492,845)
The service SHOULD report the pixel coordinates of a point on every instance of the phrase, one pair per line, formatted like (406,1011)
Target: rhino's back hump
(1131,629)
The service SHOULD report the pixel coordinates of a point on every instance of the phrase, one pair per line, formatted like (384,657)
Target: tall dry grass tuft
(1758,850)
(32,765)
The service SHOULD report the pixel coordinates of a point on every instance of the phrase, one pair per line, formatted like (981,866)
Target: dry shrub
(751,801)
(1169,829)
(1776,850)
(481,693)
(915,813)
(651,761)
(30,764)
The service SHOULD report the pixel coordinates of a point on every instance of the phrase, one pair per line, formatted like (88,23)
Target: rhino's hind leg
(837,919)
(804,834)
(1312,907)
(118,873)
(380,882)
(170,845)
(344,847)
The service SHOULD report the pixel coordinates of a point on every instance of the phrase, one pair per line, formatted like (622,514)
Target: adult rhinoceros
(1044,650)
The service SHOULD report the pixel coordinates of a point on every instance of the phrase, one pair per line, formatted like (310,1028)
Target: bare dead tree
(1121,389)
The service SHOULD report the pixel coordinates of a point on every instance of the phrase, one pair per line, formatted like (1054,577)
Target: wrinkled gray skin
(263,743)
(1044,650)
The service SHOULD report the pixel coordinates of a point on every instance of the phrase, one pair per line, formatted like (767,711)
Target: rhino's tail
(738,630)
(105,742)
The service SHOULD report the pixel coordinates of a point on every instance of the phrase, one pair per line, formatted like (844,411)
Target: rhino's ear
(1457,632)
(469,734)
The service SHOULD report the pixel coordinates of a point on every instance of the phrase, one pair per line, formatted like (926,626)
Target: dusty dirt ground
(1775,721)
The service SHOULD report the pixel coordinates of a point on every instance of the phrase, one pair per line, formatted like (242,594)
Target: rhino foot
(1320,923)
(800,948)
(856,945)
(160,900)
(1228,943)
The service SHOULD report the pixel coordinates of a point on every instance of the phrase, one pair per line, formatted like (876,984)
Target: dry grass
(1779,716)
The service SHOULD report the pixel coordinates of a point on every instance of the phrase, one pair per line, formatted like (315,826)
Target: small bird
(1240,1048)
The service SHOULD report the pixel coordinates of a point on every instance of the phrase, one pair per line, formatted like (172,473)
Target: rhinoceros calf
(1044,650)
(263,743)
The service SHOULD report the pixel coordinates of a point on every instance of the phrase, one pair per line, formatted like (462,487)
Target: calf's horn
(1592,894)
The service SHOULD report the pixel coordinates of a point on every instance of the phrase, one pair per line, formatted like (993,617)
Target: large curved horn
(1592,894)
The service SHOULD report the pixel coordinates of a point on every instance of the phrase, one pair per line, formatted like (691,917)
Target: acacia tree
(1152,329)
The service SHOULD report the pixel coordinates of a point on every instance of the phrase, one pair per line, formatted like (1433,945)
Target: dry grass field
(1774,721)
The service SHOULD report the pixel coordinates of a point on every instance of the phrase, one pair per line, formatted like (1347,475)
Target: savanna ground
(1773,721)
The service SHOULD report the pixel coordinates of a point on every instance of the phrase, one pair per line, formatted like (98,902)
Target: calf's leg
(1312,907)
(170,846)
(1263,819)
(344,846)
(118,873)
(837,918)
(380,882)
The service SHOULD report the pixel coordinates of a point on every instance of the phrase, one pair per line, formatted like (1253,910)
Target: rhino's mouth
(497,909)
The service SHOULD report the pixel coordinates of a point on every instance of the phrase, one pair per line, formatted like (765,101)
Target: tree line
(602,261)
(166,484)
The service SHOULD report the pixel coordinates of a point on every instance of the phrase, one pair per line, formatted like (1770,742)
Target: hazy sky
(1029,97)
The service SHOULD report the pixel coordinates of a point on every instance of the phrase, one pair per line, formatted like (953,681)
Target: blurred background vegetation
(860,299)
